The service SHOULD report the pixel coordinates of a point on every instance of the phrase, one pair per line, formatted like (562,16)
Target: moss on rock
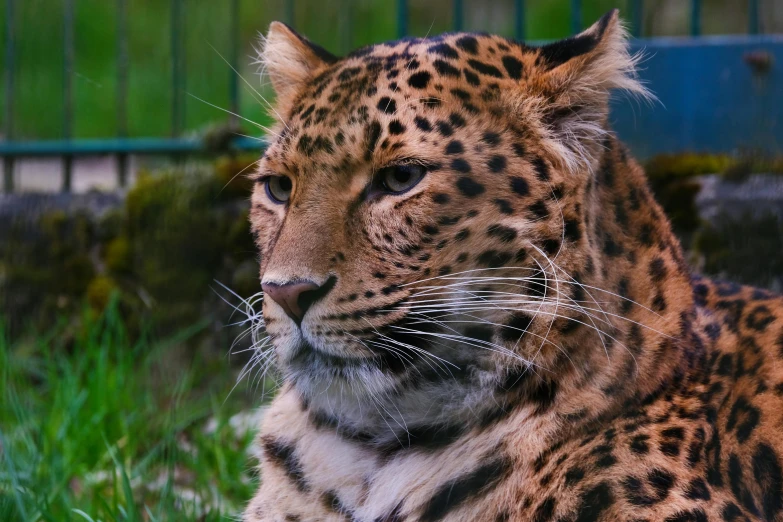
(99,292)
(160,251)
(119,256)
(746,249)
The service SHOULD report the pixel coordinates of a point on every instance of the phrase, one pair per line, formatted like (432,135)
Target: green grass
(102,428)
(339,26)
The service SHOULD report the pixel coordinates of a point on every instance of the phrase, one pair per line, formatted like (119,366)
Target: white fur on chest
(368,484)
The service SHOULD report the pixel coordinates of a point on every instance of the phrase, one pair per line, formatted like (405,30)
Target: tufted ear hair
(572,83)
(290,60)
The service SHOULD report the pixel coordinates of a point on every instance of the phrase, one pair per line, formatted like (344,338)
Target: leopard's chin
(306,355)
(343,391)
(311,368)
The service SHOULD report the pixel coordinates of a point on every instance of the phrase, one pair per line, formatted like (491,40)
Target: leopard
(476,309)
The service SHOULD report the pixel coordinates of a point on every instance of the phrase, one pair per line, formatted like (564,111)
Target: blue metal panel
(717,94)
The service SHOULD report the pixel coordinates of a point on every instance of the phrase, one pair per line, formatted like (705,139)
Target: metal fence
(757,121)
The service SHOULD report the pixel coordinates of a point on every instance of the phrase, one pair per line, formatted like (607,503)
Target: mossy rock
(677,196)
(687,165)
(47,266)
(233,175)
(118,256)
(674,180)
(100,291)
(746,249)
(160,252)
(182,233)
(669,167)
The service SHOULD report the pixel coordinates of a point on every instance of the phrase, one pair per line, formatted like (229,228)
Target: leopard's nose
(296,297)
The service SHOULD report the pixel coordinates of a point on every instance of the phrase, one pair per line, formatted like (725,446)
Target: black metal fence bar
(637,17)
(8,161)
(233,57)
(402,18)
(68,107)
(459,13)
(695,17)
(345,26)
(122,87)
(177,81)
(519,19)
(753,17)
(290,12)
(576,16)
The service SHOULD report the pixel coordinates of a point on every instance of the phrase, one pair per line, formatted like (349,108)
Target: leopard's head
(421,208)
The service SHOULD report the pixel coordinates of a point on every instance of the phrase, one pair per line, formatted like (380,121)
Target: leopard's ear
(290,59)
(573,78)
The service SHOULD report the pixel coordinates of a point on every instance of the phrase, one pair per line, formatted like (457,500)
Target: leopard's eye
(400,178)
(278,188)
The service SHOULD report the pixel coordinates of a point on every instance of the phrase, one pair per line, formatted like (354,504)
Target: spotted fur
(516,337)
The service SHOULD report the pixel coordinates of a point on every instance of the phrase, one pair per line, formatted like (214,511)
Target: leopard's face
(417,204)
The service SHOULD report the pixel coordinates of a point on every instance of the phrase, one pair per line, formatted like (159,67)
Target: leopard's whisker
(460,303)
(259,356)
(474,309)
(478,343)
(480,294)
(554,316)
(585,286)
(553,265)
(235,176)
(421,351)
(445,324)
(470,271)
(262,127)
(241,336)
(253,91)
(394,349)
(446,288)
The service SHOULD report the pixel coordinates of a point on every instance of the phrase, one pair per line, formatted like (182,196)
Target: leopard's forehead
(374,103)
(414,66)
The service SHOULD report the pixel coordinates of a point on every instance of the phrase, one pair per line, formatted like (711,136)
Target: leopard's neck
(637,281)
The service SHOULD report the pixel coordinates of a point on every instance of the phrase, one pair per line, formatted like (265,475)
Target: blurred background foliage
(117,372)
(161,249)
(340,26)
